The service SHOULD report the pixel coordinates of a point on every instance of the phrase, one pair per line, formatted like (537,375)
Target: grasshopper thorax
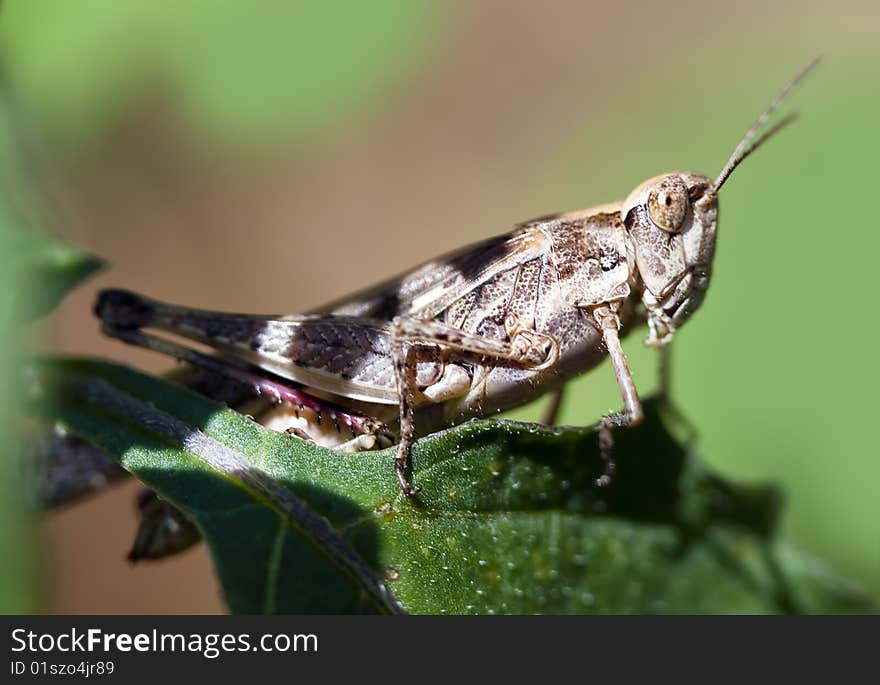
(671,222)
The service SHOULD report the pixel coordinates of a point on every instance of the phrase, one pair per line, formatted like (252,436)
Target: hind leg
(416,339)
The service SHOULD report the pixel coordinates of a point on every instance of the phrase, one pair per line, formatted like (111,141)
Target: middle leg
(551,411)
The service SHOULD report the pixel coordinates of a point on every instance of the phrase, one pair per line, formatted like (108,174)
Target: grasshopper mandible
(478,331)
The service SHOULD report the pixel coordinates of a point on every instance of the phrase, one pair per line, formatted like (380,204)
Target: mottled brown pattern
(660,255)
(493,298)
(589,256)
(459,310)
(524,298)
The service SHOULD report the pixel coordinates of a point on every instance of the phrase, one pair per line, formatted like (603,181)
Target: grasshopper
(478,331)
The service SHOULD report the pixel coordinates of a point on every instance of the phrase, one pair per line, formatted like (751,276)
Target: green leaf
(508,520)
(36,271)
(21,568)
(42,271)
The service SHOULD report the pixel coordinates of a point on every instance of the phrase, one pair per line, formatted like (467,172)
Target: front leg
(412,339)
(633,414)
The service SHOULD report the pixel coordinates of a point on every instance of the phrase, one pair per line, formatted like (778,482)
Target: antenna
(746,146)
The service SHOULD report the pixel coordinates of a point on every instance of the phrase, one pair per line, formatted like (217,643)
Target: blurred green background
(270,156)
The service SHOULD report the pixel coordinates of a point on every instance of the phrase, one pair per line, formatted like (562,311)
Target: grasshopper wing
(429,287)
(345,356)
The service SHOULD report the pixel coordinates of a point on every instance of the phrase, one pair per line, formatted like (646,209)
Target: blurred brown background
(478,115)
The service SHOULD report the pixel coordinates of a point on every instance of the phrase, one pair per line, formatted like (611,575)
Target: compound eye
(668,203)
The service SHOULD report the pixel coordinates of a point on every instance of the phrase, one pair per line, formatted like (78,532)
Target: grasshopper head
(671,222)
